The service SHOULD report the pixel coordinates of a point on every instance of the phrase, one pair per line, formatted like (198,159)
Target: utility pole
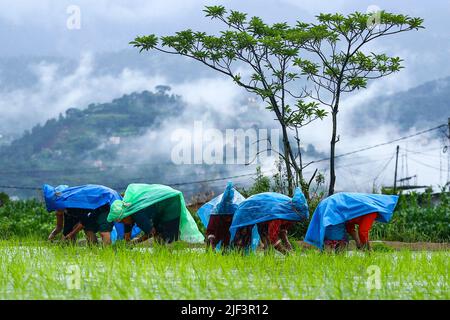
(448,154)
(396,166)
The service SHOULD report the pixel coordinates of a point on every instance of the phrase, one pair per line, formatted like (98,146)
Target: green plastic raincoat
(139,196)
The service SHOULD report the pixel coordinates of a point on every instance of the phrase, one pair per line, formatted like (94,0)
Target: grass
(37,270)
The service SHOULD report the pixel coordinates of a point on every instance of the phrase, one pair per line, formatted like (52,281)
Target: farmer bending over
(275,233)
(67,224)
(217,215)
(341,212)
(83,207)
(158,210)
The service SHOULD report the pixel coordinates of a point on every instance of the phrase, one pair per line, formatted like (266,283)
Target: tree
(269,52)
(340,66)
(4,199)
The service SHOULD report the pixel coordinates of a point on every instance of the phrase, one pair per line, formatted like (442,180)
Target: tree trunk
(286,147)
(333,153)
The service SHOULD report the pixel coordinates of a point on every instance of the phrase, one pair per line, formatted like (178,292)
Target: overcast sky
(37,28)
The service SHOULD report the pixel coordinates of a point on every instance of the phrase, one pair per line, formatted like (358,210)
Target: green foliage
(4,198)
(268,51)
(261,184)
(25,218)
(338,45)
(339,62)
(417,218)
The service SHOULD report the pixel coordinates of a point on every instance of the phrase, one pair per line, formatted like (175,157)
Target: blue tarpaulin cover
(118,232)
(226,203)
(344,206)
(83,197)
(269,206)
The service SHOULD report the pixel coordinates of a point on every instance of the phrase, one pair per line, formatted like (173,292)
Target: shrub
(25,218)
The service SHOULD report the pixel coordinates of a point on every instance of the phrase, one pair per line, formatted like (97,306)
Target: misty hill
(79,146)
(117,143)
(424,106)
(76,134)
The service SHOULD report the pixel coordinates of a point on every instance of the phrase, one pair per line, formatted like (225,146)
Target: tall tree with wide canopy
(339,63)
(267,54)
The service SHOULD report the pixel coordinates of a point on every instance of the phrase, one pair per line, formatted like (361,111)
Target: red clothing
(273,228)
(219,228)
(365,223)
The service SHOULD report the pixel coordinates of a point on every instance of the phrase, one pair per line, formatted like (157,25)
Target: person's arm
(127,230)
(355,237)
(211,241)
(146,225)
(71,236)
(285,239)
(352,231)
(213,224)
(280,247)
(144,237)
(59,225)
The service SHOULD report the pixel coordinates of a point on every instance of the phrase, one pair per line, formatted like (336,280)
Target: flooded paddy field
(30,270)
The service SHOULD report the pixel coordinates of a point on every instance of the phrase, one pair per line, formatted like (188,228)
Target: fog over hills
(423,106)
(50,75)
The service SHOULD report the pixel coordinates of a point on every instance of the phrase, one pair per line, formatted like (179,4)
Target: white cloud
(55,92)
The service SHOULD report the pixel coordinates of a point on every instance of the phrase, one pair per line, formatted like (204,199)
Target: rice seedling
(36,270)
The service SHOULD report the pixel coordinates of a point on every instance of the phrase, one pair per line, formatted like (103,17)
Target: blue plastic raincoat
(83,197)
(269,206)
(224,204)
(344,206)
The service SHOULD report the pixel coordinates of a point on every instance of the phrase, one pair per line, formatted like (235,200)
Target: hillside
(82,146)
(126,140)
(424,106)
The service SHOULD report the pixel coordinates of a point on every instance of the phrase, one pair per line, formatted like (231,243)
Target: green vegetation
(274,56)
(45,271)
(32,268)
(418,219)
(20,219)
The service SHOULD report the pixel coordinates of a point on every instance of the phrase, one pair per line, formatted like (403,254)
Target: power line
(381,144)
(247,174)
(384,168)
(88,170)
(424,164)
(20,188)
(173,184)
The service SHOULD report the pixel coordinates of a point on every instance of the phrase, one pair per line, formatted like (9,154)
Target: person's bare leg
(341,247)
(280,248)
(106,238)
(351,229)
(285,239)
(91,237)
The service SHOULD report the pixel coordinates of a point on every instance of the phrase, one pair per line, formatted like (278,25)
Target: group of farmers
(156,211)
